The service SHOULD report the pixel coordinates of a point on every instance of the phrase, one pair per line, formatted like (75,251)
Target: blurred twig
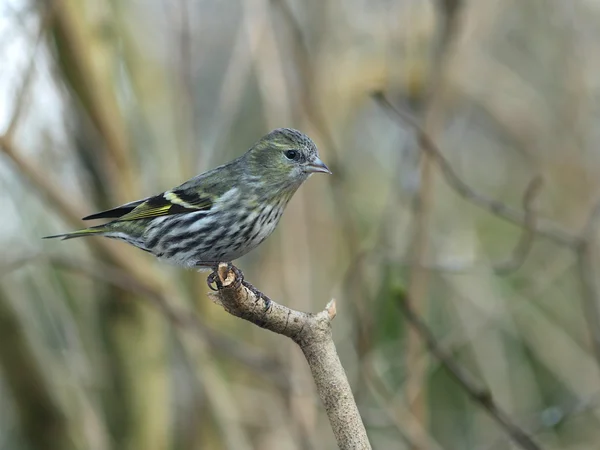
(418,288)
(36,176)
(588,279)
(226,346)
(581,243)
(43,421)
(556,415)
(519,252)
(506,267)
(237,350)
(472,387)
(432,105)
(396,411)
(23,91)
(525,242)
(450,11)
(312,333)
(84,57)
(498,208)
(64,205)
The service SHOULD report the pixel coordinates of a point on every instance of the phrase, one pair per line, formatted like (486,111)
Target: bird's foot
(213,279)
(258,294)
(239,275)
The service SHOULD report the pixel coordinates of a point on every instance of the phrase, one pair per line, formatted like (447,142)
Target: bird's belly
(248,239)
(224,242)
(259,234)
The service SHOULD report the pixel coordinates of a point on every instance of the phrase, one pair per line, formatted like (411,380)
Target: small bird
(219,215)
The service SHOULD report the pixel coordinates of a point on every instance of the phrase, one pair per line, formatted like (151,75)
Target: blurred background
(104,101)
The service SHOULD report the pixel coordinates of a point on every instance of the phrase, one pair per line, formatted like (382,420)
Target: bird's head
(285,156)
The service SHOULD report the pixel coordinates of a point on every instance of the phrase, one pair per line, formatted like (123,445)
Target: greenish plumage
(221,214)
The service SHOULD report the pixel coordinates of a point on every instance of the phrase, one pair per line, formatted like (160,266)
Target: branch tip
(215,298)
(331,309)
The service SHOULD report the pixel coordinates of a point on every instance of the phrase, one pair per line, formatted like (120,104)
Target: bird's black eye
(292,154)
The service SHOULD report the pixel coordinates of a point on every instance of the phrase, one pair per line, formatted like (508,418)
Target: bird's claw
(259,295)
(239,275)
(213,278)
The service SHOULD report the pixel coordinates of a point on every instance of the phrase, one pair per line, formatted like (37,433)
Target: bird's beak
(318,166)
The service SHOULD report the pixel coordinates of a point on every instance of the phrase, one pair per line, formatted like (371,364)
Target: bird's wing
(177,201)
(117,212)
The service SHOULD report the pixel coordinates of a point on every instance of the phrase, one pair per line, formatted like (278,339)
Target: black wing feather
(117,212)
(154,207)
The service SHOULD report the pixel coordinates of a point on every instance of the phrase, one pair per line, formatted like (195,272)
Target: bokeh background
(105,101)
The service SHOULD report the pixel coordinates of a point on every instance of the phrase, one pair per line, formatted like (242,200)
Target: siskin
(221,214)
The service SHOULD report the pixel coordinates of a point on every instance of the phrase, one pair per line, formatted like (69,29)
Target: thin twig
(543,227)
(478,393)
(23,91)
(513,263)
(97,94)
(525,243)
(44,421)
(590,297)
(244,354)
(312,333)
(68,209)
(71,210)
(239,351)
(65,206)
(588,279)
(558,416)
(396,412)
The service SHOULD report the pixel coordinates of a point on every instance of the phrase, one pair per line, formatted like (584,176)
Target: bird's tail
(92,231)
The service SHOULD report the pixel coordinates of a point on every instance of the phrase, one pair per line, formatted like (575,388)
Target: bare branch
(555,415)
(525,243)
(478,393)
(36,175)
(69,209)
(587,278)
(43,419)
(590,297)
(312,333)
(513,263)
(23,91)
(186,320)
(543,227)
(521,249)
(531,224)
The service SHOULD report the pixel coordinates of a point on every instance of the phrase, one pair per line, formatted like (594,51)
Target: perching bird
(221,214)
